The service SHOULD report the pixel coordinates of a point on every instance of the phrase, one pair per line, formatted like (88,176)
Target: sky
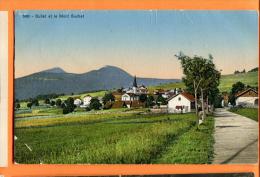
(143,43)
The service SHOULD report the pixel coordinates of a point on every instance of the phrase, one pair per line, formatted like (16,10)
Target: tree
(150,101)
(35,102)
(108,97)
(237,87)
(143,97)
(29,105)
(58,102)
(52,103)
(161,100)
(68,105)
(200,77)
(17,106)
(95,104)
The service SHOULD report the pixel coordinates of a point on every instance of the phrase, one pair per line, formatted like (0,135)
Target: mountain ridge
(56,80)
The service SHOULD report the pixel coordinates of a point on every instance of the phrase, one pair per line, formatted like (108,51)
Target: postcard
(136,87)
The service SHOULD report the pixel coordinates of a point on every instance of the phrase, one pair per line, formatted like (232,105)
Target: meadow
(226,82)
(122,137)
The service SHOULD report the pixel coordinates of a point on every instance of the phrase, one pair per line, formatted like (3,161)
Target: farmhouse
(247,98)
(182,102)
(86,101)
(77,102)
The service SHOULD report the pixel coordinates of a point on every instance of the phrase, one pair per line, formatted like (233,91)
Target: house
(224,99)
(247,98)
(86,101)
(130,97)
(182,102)
(77,102)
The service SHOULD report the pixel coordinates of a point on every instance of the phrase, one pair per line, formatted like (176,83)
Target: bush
(68,106)
(29,105)
(17,106)
(52,103)
(95,104)
(108,97)
(58,102)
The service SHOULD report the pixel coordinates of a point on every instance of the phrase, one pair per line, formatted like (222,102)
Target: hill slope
(250,78)
(226,81)
(58,81)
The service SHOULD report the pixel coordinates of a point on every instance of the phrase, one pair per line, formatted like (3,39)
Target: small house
(86,101)
(77,102)
(181,103)
(247,98)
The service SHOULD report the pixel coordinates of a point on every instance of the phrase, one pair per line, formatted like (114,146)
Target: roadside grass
(251,113)
(193,147)
(122,138)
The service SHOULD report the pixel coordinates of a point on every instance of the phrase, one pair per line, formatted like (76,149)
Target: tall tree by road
(200,77)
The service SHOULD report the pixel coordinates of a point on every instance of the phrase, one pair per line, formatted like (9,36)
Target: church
(133,93)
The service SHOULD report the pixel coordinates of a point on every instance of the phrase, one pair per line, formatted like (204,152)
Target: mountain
(54,70)
(56,80)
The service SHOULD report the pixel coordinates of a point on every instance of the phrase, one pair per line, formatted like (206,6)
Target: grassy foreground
(112,138)
(251,113)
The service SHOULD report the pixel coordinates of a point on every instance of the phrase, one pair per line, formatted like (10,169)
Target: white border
(3,88)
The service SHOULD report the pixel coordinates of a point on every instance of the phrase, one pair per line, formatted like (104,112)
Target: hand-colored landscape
(136,87)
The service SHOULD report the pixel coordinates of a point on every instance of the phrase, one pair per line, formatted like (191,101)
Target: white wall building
(86,101)
(129,97)
(77,102)
(247,98)
(182,102)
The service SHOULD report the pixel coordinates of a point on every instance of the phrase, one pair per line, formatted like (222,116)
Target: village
(175,100)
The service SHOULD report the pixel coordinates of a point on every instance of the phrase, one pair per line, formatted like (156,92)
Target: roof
(187,95)
(245,91)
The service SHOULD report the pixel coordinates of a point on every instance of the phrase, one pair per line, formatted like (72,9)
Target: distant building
(135,89)
(133,93)
(224,99)
(182,102)
(77,102)
(86,101)
(130,97)
(247,98)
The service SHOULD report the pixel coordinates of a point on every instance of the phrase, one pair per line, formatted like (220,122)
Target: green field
(251,113)
(113,137)
(226,82)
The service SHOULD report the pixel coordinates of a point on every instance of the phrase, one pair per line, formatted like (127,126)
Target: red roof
(186,95)
(245,91)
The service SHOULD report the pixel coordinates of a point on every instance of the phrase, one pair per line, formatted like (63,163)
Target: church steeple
(135,83)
